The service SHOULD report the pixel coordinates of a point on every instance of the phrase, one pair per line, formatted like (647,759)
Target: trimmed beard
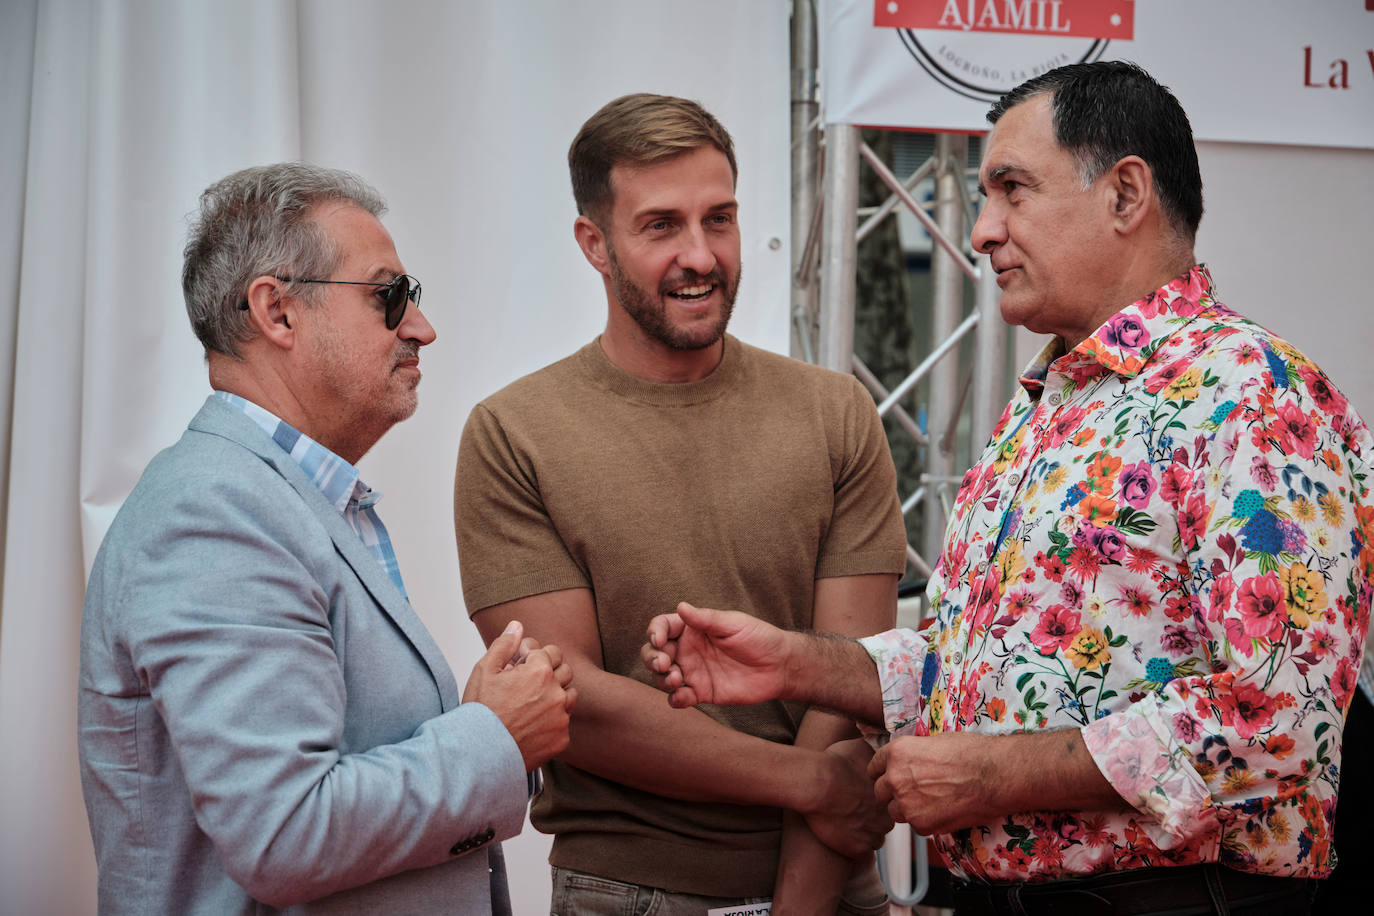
(651,314)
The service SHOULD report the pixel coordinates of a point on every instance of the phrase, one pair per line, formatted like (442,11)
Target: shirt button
(957,658)
(1055,399)
(1013,478)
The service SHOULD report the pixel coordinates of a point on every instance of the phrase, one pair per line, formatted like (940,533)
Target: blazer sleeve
(232,610)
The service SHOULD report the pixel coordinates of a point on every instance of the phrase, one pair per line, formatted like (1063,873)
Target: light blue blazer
(263,721)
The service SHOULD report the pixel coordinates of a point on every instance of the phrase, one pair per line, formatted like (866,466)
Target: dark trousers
(1187,890)
(1348,889)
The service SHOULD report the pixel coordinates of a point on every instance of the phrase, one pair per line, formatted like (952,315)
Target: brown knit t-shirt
(736,491)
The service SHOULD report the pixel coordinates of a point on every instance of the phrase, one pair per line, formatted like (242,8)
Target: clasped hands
(529,688)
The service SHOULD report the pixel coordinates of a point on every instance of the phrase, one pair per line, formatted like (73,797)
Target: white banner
(1257,71)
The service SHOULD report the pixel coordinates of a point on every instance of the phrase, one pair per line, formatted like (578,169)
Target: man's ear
(270,311)
(1132,189)
(592,241)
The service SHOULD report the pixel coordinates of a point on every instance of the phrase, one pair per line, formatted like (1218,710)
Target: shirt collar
(1127,340)
(337,480)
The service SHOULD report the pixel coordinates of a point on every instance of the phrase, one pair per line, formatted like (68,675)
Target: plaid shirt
(337,479)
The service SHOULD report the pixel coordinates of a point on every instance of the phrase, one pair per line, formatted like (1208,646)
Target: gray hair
(258,222)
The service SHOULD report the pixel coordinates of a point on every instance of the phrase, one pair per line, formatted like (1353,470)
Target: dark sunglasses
(402,289)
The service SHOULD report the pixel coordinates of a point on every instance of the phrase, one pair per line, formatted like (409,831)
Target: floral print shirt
(1168,544)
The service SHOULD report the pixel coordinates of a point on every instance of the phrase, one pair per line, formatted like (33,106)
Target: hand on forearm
(855,821)
(811,875)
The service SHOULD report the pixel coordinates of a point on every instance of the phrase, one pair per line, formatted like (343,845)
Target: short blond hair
(639,129)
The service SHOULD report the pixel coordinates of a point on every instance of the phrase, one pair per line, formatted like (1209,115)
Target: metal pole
(947,305)
(954,246)
(927,367)
(839,247)
(805,156)
(989,382)
(894,198)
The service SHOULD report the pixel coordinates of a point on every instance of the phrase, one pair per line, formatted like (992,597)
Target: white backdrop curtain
(117,114)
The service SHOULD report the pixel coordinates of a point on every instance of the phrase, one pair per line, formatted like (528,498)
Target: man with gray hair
(263,719)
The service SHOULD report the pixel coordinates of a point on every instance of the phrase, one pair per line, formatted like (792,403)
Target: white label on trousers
(744,909)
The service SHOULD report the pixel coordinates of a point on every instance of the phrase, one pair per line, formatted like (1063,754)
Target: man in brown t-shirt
(668,461)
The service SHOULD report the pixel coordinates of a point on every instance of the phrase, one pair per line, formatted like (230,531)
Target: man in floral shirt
(1152,602)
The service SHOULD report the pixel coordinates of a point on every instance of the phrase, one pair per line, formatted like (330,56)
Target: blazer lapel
(221,419)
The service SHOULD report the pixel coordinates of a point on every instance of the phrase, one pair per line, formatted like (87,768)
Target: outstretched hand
(699,655)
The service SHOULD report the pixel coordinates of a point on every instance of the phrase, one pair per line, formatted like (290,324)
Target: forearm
(1047,771)
(262,748)
(813,869)
(949,781)
(835,673)
(811,875)
(684,753)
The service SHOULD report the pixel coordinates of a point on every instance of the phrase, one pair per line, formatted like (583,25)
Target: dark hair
(261,221)
(1106,110)
(640,129)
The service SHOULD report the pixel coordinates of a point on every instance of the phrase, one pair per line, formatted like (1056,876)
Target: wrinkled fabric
(1166,544)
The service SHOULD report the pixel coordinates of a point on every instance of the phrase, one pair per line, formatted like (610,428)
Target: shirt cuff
(900,657)
(1135,752)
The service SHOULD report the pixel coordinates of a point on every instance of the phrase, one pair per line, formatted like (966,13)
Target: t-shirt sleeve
(866,533)
(508,547)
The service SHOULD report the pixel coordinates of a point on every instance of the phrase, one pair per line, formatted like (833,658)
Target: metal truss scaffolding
(826,160)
